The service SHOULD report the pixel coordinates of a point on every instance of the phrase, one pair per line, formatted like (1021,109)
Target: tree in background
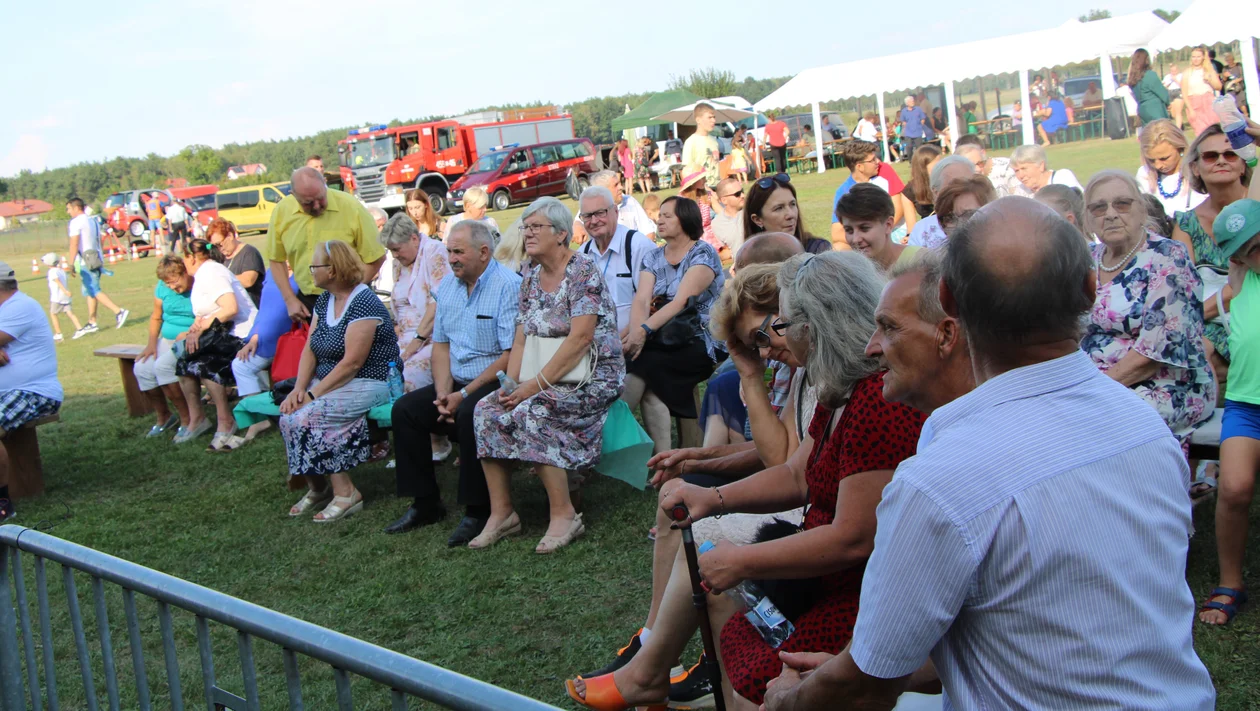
(709,83)
(4,188)
(200,164)
(1095,15)
(1167,15)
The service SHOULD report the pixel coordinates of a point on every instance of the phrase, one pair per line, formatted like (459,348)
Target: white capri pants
(155,372)
(251,374)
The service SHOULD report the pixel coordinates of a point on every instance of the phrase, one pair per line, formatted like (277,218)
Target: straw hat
(692,179)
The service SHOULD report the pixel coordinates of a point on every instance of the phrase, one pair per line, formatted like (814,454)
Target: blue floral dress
(567,431)
(1155,307)
(1206,252)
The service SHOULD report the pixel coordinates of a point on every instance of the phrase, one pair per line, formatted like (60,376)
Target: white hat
(49,259)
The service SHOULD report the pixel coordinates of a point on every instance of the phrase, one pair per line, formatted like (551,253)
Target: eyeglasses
(319,266)
(768,182)
(1122,206)
(1213,156)
(533,229)
(958,218)
(779,325)
(586,217)
(761,339)
(737,193)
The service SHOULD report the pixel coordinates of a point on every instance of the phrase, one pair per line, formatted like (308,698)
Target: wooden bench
(137,404)
(26,468)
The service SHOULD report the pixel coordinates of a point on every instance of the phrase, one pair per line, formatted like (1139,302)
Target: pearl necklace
(1168,196)
(1099,267)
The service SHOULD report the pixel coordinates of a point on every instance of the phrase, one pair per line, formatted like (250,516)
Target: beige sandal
(510,527)
(311,500)
(550,544)
(341,507)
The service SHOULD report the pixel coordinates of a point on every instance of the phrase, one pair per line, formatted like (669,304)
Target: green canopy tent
(656,105)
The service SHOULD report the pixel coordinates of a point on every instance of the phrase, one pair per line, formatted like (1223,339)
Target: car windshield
(285,188)
(372,151)
(490,162)
(116,200)
(201,202)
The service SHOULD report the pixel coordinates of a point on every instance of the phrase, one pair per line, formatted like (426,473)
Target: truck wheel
(502,200)
(136,228)
(437,201)
(583,184)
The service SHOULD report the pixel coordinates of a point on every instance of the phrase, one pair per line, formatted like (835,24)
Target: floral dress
(564,431)
(1155,307)
(414,287)
(1206,252)
(644,164)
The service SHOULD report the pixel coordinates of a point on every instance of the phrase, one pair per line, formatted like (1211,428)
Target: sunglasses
(780,326)
(761,339)
(768,182)
(1122,205)
(737,193)
(1213,156)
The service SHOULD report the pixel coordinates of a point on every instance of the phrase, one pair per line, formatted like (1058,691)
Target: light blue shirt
(1035,549)
(479,326)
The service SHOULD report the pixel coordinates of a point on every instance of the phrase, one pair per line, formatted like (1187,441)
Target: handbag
(92,259)
(681,330)
(626,448)
(538,353)
(281,389)
(289,349)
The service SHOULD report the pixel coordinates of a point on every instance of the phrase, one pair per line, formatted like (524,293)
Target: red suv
(512,173)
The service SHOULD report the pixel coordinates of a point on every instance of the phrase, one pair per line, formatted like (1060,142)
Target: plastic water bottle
(506,383)
(773,627)
(1235,127)
(395,380)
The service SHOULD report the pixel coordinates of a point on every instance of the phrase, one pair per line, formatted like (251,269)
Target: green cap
(1237,223)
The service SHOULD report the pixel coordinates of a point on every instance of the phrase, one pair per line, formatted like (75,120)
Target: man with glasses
(309,215)
(864,165)
(617,250)
(629,212)
(728,219)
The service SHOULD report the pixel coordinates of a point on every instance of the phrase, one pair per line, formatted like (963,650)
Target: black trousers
(779,153)
(911,145)
(415,417)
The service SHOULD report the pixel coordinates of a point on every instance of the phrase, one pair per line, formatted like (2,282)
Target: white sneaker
(440,455)
(121,318)
(80,333)
(58,338)
(90,328)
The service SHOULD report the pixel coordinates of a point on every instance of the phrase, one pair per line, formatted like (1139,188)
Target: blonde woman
(475,203)
(421,212)
(1163,145)
(1199,85)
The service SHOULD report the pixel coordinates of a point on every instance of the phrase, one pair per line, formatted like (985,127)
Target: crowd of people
(851,390)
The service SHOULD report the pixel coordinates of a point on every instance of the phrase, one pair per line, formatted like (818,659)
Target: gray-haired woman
(422,265)
(555,426)
(1033,170)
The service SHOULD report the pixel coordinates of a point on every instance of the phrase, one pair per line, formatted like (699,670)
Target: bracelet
(647,328)
(463,392)
(310,395)
(721,503)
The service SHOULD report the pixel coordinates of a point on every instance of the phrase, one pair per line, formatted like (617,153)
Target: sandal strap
(1228,592)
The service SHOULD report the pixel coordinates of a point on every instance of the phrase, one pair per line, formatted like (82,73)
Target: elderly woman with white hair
(422,265)
(567,360)
(1033,170)
(928,231)
(476,201)
(1146,327)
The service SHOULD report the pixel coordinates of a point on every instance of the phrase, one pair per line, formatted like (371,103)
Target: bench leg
(137,404)
(26,469)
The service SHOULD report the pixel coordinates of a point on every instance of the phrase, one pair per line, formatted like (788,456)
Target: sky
(88,81)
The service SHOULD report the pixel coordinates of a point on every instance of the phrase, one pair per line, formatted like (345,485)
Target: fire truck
(379,163)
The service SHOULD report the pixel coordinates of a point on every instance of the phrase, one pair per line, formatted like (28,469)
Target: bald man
(309,215)
(1050,495)
(767,248)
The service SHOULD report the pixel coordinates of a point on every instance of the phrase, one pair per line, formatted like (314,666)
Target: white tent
(1211,21)
(1071,42)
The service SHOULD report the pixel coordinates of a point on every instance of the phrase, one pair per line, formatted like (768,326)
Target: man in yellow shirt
(701,152)
(310,215)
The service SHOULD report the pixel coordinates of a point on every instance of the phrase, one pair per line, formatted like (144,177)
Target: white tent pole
(1107,76)
(1029,138)
(883,123)
(1251,78)
(818,140)
(952,113)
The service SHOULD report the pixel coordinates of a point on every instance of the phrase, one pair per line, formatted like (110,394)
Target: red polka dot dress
(872,434)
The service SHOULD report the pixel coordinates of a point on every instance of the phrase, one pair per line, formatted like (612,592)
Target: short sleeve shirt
(88,231)
(479,326)
(177,311)
(777,134)
(57,282)
(293,234)
(915,120)
(249,259)
(212,281)
(328,338)
(32,354)
(669,277)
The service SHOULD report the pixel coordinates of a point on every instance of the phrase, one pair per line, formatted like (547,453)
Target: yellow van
(250,208)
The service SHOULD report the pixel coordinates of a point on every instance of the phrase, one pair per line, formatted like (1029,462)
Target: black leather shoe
(468,529)
(415,518)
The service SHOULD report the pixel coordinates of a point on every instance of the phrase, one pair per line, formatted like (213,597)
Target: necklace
(1099,267)
(1160,184)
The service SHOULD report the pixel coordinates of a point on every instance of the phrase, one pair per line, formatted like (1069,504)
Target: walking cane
(698,599)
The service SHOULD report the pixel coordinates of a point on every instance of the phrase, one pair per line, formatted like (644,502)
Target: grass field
(505,615)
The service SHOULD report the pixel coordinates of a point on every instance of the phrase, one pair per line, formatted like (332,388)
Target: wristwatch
(310,395)
(464,392)
(647,328)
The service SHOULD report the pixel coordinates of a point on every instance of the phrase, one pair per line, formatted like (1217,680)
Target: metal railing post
(10,665)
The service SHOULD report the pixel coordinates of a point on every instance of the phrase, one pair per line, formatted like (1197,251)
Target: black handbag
(680,331)
(281,390)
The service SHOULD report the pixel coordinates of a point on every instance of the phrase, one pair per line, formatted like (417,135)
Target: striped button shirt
(1035,549)
(479,326)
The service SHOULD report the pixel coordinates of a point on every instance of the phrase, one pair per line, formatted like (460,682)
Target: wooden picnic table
(137,404)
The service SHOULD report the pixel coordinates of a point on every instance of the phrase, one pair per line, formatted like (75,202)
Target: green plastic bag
(627,448)
(256,408)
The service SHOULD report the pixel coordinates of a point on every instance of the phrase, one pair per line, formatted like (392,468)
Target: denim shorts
(155,225)
(1241,419)
(91,282)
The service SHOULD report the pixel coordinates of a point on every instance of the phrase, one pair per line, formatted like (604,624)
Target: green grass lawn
(505,615)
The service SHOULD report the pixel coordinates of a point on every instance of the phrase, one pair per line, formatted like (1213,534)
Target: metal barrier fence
(403,675)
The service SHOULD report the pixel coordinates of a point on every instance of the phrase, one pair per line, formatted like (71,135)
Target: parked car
(796,123)
(250,208)
(512,174)
(124,212)
(198,200)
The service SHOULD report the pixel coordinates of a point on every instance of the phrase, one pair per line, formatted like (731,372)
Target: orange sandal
(602,695)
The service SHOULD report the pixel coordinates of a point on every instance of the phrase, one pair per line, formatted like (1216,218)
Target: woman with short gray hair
(1033,170)
(420,266)
(475,203)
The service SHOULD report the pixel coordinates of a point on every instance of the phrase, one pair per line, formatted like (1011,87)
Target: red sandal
(602,695)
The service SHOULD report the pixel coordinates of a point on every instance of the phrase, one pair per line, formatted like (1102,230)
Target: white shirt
(865,131)
(88,230)
(612,265)
(1063,176)
(57,277)
(1043,568)
(32,354)
(385,278)
(927,233)
(630,213)
(175,213)
(1180,197)
(1002,175)
(213,280)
